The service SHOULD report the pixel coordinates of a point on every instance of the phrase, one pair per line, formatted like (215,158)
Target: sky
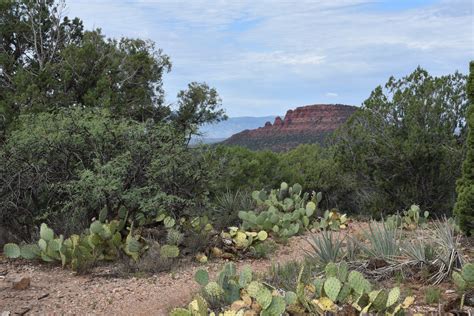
(267,56)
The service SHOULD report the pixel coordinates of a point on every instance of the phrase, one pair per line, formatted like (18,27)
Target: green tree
(64,167)
(47,61)
(315,168)
(464,207)
(84,125)
(404,145)
(197,105)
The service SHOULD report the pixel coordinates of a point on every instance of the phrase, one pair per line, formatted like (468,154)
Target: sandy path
(67,293)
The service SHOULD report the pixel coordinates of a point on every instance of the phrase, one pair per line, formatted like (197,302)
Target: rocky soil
(39,289)
(53,290)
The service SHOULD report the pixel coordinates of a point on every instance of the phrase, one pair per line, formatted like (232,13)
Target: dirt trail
(58,291)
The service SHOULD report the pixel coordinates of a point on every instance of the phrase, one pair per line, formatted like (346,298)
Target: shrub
(405,143)
(263,249)
(65,167)
(464,208)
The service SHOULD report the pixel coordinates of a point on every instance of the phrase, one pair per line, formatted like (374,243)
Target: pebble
(22,284)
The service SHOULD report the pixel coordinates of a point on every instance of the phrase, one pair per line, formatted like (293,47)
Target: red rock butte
(302,123)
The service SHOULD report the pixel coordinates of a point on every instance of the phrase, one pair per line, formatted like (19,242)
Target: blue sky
(267,56)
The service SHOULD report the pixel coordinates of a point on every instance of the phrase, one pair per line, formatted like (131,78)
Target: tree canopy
(405,143)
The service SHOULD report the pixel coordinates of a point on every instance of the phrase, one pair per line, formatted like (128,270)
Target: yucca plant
(228,206)
(325,248)
(448,249)
(383,242)
(419,251)
(353,249)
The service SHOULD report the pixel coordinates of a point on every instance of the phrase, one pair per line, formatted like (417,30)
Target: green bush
(464,208)
(405,144)
(65,167)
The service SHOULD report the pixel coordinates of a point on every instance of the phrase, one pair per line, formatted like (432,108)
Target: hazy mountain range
(218,132)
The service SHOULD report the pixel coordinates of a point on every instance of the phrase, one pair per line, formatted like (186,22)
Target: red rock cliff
(299,126)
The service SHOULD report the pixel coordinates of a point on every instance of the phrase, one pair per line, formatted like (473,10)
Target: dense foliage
(84,126)
(464,208)
(405,144)
(65,167)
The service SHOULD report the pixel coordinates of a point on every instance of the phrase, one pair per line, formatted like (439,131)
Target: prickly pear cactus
(393,296)
(358,283)
(202,277)
(459,281)
(245,276)
(214,290)
(332,287)
(276,307)
(287,212)
(331,269)
(11,251)
(467,273)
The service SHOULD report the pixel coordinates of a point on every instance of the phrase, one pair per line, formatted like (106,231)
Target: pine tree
(464,208)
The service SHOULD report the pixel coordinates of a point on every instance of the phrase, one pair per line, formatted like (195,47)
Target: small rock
(22,284)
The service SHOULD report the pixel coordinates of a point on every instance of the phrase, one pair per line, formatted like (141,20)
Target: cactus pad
(332,287)
(46,233)
(358,282)
(393,296)
(379,299)
(290,298)
(459,281)
(253,288)
(310,208)
(467,273)
(213,289)
(264,297)
(262,235)
(344,293)
(96,227)
(343,271)
(30,251)
(318,284)
(331,269)
(169,251)
(245,276)
(202,277)
(11,250)
(277,307)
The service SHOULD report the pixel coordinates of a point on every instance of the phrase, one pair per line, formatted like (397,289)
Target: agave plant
(326,248)
(383,242)
(448,250)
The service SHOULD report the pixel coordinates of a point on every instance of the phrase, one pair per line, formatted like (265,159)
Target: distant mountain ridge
(305,124)
(233,125)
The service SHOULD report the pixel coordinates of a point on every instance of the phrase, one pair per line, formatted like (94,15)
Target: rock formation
(306,124)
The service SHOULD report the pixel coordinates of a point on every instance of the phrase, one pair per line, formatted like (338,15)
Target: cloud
(279,57)
(331,94)
(286,53)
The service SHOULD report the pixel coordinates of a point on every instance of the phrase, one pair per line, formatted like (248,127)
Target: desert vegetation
(96,170)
